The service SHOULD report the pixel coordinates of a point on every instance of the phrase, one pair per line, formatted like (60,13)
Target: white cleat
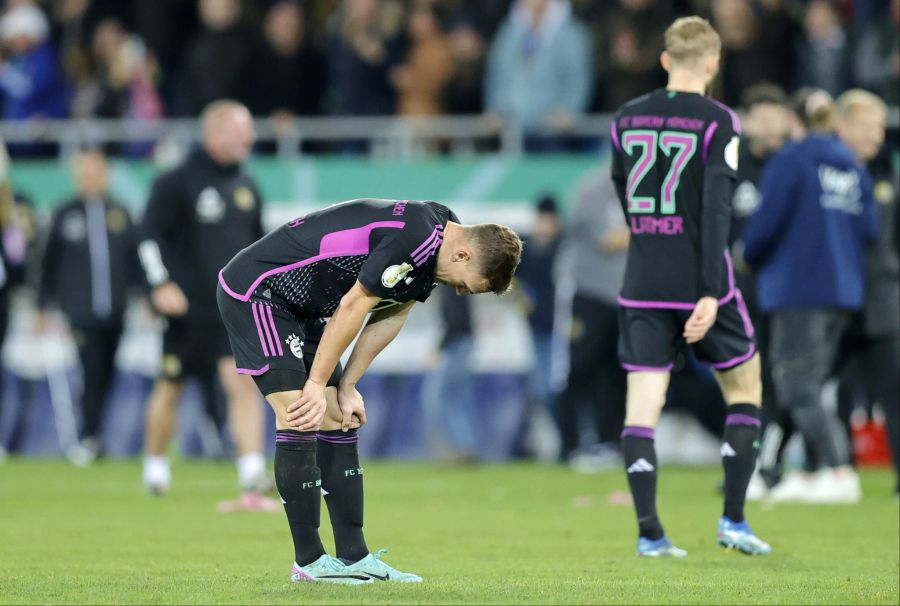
(328,569)
(792,489)
(157,475)
(373,566)
(834,487)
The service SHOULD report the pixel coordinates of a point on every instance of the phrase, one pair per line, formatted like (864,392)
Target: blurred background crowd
(532,375)
(535,63)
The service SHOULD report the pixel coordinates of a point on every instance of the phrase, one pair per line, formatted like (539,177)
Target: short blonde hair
(857,99)
(689,40)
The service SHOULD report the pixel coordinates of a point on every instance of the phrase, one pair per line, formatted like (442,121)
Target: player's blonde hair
(857,99)
(690,40)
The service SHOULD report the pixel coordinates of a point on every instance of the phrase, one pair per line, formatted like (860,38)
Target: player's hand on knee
(307,412)
(352,407)
(701,320)
(169,299)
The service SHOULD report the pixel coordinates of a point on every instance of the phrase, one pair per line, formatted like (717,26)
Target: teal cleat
(739,536)
(373,566)
(328,569)
(659,548)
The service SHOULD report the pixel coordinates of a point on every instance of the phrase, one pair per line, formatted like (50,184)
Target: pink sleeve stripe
(252,372)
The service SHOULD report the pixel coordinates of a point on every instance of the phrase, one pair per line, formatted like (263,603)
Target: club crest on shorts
(393,274)
(296,345)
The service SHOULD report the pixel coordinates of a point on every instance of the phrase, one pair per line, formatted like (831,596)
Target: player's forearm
(377,334)
(338,334)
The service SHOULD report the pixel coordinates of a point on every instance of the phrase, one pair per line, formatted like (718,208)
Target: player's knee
(333,418)
(280,401)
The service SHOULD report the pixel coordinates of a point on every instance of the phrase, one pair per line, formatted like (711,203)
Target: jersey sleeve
(720,152)
(162,221)
(386,266)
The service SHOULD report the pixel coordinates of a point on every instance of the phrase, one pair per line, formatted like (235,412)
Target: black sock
(740,445)
(342,479)
(299,484)
(640,466)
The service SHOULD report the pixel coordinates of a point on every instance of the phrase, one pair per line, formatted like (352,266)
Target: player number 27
(646,143)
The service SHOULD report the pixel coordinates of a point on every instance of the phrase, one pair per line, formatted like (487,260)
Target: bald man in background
(198,217)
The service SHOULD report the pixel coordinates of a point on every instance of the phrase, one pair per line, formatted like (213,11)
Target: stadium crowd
(147,59)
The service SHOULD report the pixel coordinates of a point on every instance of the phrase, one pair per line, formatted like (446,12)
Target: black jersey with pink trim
(309,263)
(674,164)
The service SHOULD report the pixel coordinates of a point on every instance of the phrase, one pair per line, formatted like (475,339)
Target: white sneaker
(835,487)
(157,475)
(80,455)
(757,489)
(794,488)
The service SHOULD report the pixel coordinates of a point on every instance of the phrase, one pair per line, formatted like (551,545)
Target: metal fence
(382,136)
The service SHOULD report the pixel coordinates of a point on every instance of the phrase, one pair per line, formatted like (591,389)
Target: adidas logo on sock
(639,466)
(727,450)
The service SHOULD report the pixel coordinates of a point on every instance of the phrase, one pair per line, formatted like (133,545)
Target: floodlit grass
(498,534)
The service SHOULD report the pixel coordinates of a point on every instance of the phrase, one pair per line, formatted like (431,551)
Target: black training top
(674,166)
(198,216)
(390,246)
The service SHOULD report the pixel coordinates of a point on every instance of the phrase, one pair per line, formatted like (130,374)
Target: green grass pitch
(497,534)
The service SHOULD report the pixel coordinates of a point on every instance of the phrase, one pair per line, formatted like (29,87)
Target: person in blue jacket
(807,241)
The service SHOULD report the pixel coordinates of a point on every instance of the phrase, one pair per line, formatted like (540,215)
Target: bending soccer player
(674,166)
(342,263)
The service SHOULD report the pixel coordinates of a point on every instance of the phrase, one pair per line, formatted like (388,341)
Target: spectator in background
(16,233)
(537,279)
(421,79)
(824,49)
(877,56)
(463,94)
(807,240)
(484,17)
(538,75)
(627,44)
(88,266)
(757,45)
(290,76)
(870,355)
(123,83)
(31,81)
(218,63)
(593,260)
(168,27)
(767,123)
(361,52)
(449,407)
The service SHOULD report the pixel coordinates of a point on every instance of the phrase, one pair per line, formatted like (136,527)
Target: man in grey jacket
(593,263)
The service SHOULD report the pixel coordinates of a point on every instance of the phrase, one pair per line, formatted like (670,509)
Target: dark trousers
(868,371)
(97,347)
(803,348)
(596,382)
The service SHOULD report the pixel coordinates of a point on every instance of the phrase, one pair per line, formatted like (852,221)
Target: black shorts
(192,348)
(270,343)
(649,338)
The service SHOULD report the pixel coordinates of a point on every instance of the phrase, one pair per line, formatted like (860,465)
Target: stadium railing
(386,135)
